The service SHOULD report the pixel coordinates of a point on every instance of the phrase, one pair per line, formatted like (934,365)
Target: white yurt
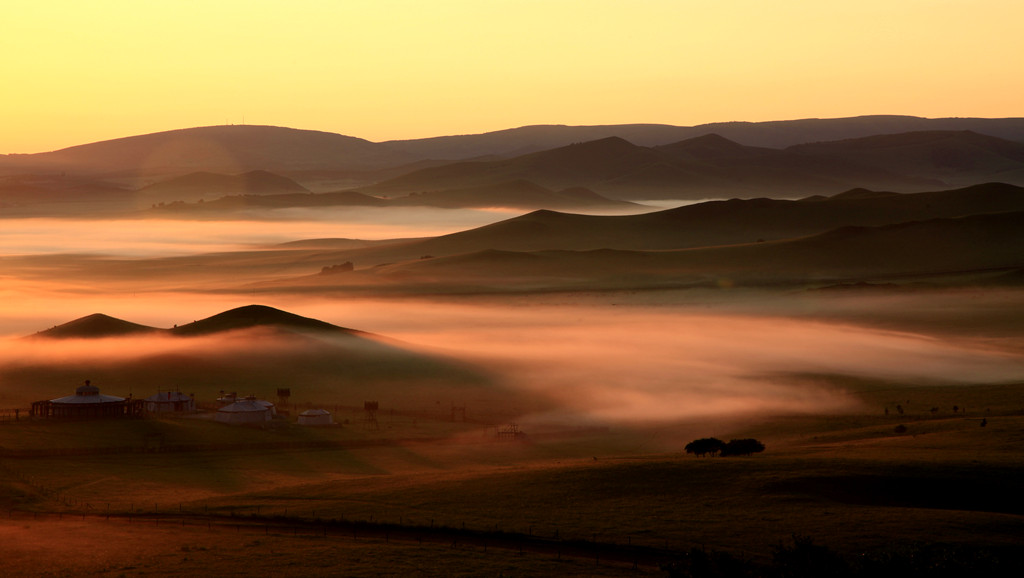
(170,402)
(267,404)
(247,411)
(315,417)
(87,402)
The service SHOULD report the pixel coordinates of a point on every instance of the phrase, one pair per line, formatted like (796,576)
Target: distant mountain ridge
(771,134)
(785,159)
(713,166)
(239,148)
(224,149)
(956,157)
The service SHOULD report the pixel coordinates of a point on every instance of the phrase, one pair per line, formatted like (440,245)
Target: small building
(170,402)
(87,403)
(316,417)
(267,404)
(247,411)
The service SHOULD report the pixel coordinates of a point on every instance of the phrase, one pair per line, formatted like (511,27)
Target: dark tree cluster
(343,268)
(744,447)
(715,446)
(705,446)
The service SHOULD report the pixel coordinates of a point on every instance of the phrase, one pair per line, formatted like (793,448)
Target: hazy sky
(74,72)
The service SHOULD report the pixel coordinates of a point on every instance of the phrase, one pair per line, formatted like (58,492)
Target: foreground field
(849,481)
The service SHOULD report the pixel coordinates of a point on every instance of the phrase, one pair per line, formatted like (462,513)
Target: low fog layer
(591,363)
(626,364)
(158,237)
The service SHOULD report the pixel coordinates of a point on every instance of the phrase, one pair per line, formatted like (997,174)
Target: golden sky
(73,72)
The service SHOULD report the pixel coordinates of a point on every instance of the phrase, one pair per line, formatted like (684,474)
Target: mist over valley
(515,336)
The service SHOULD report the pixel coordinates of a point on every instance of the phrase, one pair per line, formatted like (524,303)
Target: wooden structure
(371,407)
(458,413)
(510,432)
(88,403)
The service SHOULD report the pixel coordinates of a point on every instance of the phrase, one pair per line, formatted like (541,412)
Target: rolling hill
(251,349)
(223,149)
(956,251)
(242,202)
(205,185)
(252,316)
(772,134)
(955,157)
(622,161)
(95,325)
(758,240)
(32,190)
(703,167)
(704,225)
(517,194)
(712,223)
(99,325)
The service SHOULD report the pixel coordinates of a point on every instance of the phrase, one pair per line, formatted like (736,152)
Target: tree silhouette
(743,447)
(704,446)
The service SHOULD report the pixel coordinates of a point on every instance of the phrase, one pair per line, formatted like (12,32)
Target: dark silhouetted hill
(967,250)
(772,134)
(95,325)
(254,350)
(252,316)
(275,201)
(212,185)
(955,157)
(709,224)
(521,194)
(36,189)
(702,167)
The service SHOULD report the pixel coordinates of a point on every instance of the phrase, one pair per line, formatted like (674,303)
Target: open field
(847,479)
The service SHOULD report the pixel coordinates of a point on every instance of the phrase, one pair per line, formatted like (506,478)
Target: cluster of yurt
(88,402)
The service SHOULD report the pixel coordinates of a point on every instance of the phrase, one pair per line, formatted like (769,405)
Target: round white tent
(269,405)
(315,417)
(87,402)
(246,411)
